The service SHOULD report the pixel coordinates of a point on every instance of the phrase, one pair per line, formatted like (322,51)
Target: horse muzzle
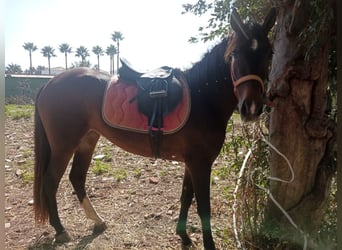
(250,110)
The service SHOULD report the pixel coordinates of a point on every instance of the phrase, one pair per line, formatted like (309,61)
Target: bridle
(238,82)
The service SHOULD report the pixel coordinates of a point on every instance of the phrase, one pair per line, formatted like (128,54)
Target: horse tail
(42,157)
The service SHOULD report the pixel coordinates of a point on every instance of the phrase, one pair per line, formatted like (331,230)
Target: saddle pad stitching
(186,93)
(114,80)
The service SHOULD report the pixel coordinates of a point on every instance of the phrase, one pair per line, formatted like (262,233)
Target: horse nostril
(244,109)
(250,109)
(259,111)
(255,109)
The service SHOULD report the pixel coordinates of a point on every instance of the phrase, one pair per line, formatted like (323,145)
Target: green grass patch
(27,168)
(137,172)
(28,176)
(120,174)
(101,168)
(19,111)
(108,153)
(222,172)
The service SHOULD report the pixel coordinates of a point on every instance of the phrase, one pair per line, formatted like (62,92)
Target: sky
(155,32)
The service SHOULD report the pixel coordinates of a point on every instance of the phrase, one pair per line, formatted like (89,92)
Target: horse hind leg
(78,174)
(52,176)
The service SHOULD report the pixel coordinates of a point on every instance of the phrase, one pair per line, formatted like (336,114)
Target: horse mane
(211,69)
(214,65)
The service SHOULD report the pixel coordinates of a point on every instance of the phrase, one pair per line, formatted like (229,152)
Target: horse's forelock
(257,33)
(231,46)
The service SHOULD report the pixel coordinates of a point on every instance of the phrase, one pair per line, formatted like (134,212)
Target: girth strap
(155,125)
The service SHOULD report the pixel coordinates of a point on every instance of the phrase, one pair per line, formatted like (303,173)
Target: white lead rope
(239,245)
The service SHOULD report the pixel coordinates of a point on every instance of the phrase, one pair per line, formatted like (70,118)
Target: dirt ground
(139,200)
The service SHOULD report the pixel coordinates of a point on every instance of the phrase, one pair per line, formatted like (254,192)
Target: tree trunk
(31,71)
(117,58)
(66,61)
(49,65)
(299,126)
(113,65)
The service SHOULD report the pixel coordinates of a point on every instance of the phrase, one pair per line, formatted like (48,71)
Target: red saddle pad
(119,112)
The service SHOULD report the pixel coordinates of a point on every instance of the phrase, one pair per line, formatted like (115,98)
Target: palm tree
(13,69)
(48,52)
(98,51)
(117,36)
(83,53)
(65,48)
(111,51)
(30,47)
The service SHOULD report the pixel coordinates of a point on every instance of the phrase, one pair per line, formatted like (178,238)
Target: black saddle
(156,86)
(159,92)
(127,72)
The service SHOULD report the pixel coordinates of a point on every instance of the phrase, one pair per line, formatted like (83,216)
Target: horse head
(249,52)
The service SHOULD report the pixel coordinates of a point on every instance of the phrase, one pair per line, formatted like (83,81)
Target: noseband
(238,82)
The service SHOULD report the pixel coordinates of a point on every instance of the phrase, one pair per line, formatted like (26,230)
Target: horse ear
(237,24)
(269,20)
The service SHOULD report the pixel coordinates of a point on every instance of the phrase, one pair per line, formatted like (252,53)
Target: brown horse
(68,121)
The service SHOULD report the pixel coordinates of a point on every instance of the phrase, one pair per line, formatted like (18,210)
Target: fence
(22,89)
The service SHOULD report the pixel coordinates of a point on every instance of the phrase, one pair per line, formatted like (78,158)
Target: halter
(238,82)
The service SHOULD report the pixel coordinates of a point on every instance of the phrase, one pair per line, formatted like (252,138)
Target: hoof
(99,228)
(186,243)
(62,237)
(186,247)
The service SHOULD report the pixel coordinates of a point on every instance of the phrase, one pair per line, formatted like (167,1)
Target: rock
(99,157)
(21,162)
(169,212)
(154,180)
(109,179)
(18,172)
(156,216)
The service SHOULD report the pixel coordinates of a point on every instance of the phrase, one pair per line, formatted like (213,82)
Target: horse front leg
(186,199)
(200,176)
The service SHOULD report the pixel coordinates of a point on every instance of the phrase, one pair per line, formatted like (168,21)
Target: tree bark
(299,126)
